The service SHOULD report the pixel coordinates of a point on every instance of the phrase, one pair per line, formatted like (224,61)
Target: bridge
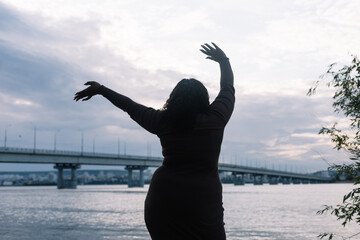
(73,160)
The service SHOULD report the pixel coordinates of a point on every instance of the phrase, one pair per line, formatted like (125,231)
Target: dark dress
(184,200)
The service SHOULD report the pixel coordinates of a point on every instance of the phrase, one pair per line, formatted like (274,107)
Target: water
(116,212)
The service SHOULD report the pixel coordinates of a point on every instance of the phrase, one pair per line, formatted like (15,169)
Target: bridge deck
(23,155)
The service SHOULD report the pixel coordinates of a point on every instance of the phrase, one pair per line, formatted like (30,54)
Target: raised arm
(223,105)
(216,54)
(119,100)
(146,117)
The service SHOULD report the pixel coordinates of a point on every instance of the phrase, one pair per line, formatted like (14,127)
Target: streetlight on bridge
(82,142)
(34,135)
(94,144)
(56,131)
(34,138)
(5,137)
(118,146)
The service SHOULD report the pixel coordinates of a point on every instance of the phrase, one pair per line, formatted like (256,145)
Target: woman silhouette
(184,200)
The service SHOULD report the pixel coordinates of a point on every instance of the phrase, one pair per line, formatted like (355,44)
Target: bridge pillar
(273,180)
(131,181)
(130,178)
(141,180)
(239,179)
(258,179)
(60,181)
(285,180)
(304,181)
(66,183)
(296,181)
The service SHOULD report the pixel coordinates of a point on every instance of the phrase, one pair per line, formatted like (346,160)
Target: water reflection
(116,212)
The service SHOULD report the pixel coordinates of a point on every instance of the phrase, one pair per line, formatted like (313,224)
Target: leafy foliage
(346,82)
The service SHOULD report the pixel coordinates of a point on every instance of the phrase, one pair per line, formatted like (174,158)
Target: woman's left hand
(88,92)
(213,52)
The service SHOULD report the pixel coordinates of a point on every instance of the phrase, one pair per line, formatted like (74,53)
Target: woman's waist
(195,161)
(186,176)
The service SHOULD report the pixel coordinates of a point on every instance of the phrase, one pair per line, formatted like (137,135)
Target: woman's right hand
(213,52)
(88,92)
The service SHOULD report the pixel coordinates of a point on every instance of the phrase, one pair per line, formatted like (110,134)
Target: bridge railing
(118,159)
(75,153)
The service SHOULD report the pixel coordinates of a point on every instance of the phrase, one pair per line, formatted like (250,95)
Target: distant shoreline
(122,184)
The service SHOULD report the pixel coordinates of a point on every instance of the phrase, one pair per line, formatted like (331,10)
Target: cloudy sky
(48,49)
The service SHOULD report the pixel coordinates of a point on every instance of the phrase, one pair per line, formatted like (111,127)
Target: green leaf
(345,81)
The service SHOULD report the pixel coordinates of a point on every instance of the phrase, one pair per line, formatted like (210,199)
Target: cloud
(277,50)
(280,129)
(38,85)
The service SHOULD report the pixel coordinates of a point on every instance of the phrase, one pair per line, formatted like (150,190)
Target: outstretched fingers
(213,52)
(82,94)
(219,50)
(205,47)
(78,96)
(88,92)
(210,47)
(207,50)
(216,47)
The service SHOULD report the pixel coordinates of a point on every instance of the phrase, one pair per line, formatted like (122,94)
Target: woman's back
(186,188)
(184,200)
(201,145)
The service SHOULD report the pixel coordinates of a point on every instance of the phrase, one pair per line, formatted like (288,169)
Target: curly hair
(186,101)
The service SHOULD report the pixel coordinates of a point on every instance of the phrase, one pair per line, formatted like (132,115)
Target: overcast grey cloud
(38,86)
(277,50)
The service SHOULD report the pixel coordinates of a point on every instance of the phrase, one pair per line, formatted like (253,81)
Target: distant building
(331,174)
(52,177)
(7,183)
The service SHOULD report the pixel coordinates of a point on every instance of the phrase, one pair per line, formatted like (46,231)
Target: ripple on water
(116,212)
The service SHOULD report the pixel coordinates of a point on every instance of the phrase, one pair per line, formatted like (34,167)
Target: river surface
(116,212)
